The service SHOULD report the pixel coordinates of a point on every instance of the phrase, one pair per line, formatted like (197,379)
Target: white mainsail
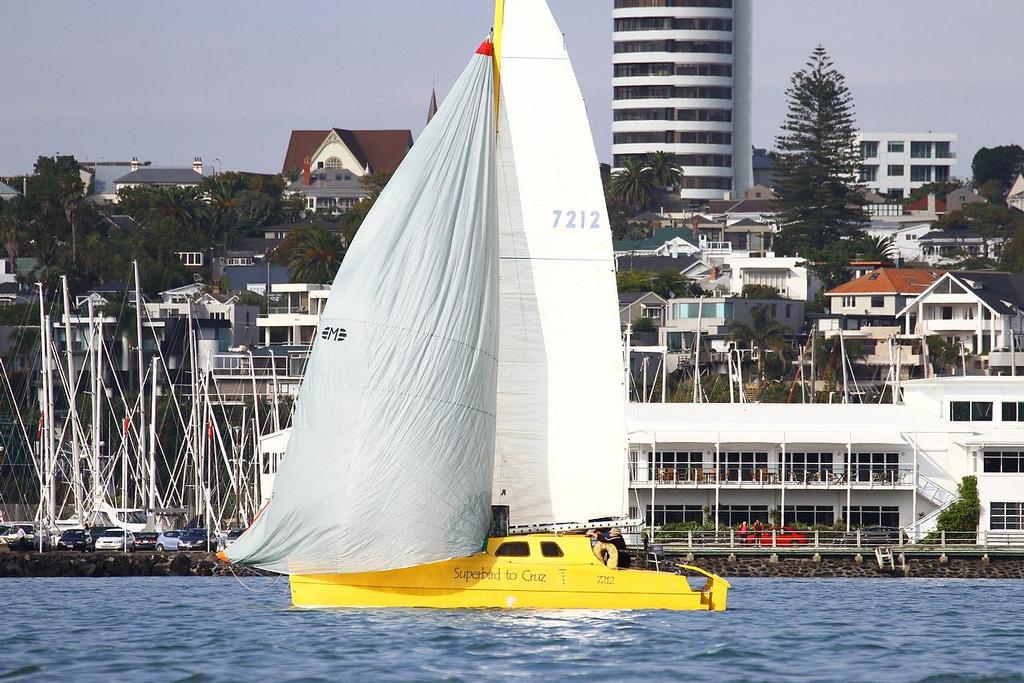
(561,442)
(390,458)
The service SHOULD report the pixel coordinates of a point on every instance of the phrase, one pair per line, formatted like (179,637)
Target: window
(896,148)
(875,466)
(513,549)
(868,150)
(675,465)
(1003,462)
(734,515)
(920,150)
(1006,517)
(849,301)
(970,411)
(190,258)
(674,514)
(947,312)
(802,464)
(551,549)
(810,514)
(896,170)
(741,466)
(1013,411)
(868,174)
(877,302)
(872,515)
(920,174)
(333,162)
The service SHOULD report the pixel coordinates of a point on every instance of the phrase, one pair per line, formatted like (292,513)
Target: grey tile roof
(655,264)
(149,175)
(240,277)
(7,191)
(1001,291)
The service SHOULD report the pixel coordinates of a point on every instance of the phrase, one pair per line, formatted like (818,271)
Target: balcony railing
(807,539)
(791,477)
(300,310)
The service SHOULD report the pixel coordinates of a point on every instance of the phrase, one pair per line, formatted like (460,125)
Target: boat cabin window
(513,549)
(551,549)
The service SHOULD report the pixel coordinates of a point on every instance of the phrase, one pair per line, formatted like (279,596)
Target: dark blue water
(213,629)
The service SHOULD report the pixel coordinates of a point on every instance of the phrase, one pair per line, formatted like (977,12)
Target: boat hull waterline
(577,580)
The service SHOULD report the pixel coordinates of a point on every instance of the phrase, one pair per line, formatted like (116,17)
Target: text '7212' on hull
(559,572)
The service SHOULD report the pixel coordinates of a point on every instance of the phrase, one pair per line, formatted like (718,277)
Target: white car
(115,539)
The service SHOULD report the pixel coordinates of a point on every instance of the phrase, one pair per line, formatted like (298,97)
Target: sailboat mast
(145,462)
(152,435)
(94,369)
(76,457)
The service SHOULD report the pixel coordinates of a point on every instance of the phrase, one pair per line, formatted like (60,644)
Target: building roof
(741,206)
(150,175)
(7,191)
(123,222)
(626,298)
(1000,291)
(922,205)
(380,150)
(889,281)
(936,235)
(240,277)
(105,174)
(656,240)
(655,264)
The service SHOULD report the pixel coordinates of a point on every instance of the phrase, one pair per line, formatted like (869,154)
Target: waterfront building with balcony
(663,242)
(896,164)
(713,317)
(293,314)
(981,311)
(855,464)
(682,84)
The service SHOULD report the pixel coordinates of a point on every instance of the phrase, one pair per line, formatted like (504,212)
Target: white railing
(759,477)
(800,539)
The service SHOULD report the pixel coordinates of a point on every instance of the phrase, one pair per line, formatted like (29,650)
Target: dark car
(146,540)
(74,539)
(93,533)
(196,539)
(873,535)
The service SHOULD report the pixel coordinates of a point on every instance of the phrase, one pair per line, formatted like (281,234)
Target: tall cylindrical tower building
(682,83)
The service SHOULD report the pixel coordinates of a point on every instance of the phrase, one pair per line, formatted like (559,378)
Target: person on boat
(614,537)
(606,552)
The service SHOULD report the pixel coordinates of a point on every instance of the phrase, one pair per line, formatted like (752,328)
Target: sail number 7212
(571,219)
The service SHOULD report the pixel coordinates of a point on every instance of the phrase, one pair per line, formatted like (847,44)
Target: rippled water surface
(213,629)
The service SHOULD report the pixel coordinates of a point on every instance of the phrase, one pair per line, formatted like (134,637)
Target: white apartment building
(294,314)
(682,84)
(896,164)
(863,464)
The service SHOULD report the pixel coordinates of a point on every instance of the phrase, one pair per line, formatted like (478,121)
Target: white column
(782,481)
(849,479)
(718,478)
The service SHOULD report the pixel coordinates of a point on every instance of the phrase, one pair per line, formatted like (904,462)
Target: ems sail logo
(333,334)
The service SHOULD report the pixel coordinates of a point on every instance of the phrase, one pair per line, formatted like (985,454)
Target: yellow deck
(575,581)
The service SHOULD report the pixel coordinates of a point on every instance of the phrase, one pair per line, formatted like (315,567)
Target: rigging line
(231,569)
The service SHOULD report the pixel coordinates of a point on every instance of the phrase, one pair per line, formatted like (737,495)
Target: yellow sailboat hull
(575,580)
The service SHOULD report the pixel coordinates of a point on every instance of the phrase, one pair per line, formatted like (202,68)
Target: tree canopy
(1001,164)
(818,161)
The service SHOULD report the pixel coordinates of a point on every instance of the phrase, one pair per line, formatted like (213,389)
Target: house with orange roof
(866,310)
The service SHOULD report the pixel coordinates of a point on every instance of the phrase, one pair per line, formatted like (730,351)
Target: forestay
(561,445)
(390,459)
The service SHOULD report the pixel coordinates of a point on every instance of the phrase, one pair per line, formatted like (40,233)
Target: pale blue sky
(229,79)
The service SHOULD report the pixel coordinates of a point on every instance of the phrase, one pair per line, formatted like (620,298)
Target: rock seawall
(25,564)
(847,566)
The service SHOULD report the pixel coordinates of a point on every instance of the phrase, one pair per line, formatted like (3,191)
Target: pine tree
(818,162)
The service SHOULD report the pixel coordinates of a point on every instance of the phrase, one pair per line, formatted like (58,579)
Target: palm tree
(182,205)
(70,190)
(315,255)
(665,169)
(879,249)
(633,184)
(945,355)
(12,234)
(764,333)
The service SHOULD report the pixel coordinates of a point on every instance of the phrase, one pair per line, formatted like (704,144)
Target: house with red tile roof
(867,309)
(358,151)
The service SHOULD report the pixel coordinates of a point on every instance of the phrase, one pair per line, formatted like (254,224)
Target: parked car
(74,539)
(231,537)
(146,540)
(196,539)
(20,536)
(95,532)
(168,540)
(116,539)
(873,535)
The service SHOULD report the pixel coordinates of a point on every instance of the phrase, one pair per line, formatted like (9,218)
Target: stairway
(943,498)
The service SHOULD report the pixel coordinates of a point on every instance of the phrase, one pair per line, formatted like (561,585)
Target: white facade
(293,318)
(895,465)
(786,275)
(682,82)
(896,164)
(905,237)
